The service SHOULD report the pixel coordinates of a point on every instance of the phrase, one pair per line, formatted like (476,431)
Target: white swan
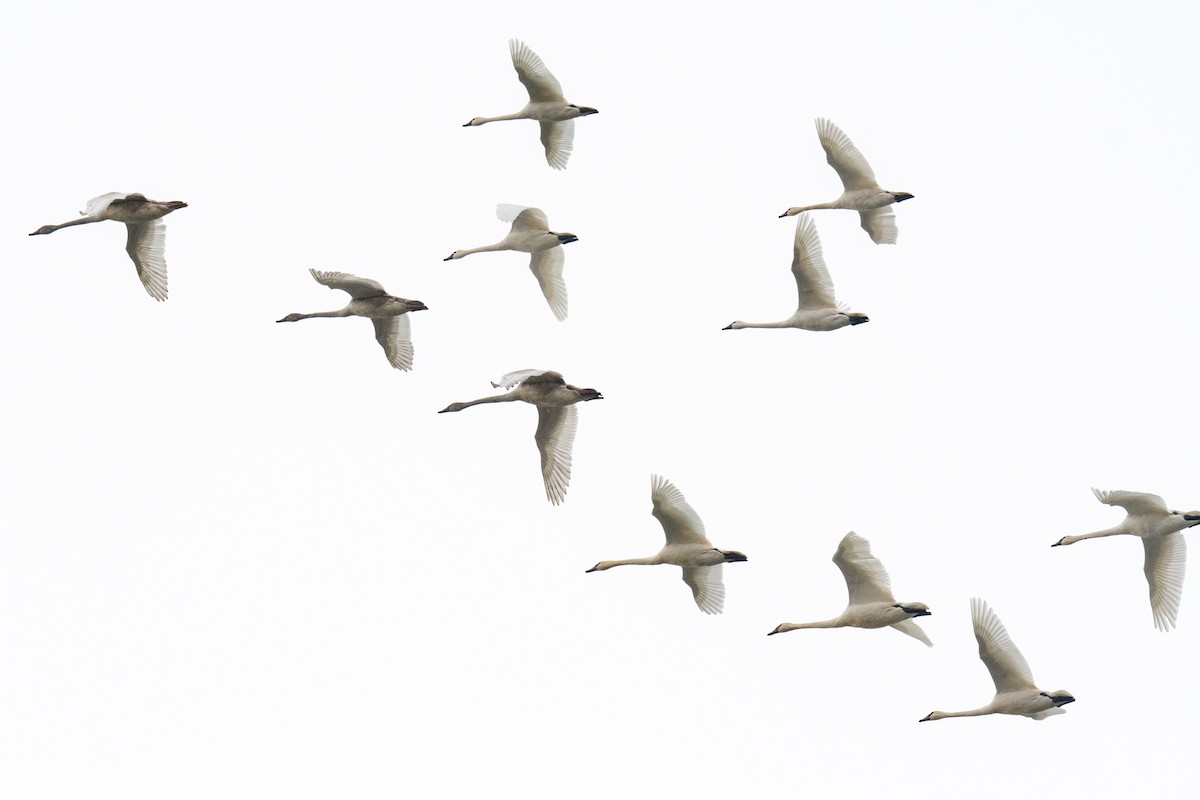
(546,105)
(1016,693)
(369,299)
(871,603)
(530,233)
(861,191)
(1148,517)
(817,309)
(146,232)
(686,546)
(555,400)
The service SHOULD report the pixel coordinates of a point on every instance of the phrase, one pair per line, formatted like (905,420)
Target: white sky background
(242,559)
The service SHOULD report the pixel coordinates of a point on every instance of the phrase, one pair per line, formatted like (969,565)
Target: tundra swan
(1016,693)
(555,400)
(817,310)
(1147,517)
(369,299)
(146,232)
(862,192)
(686,546)
(546,105)
(871,603)
(530,233)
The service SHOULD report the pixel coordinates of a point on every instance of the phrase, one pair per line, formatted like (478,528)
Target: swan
(817,309)
(146,232)
(1016,693)
(546,105)
(871,603)
(555,400)
(1147,517)
(369,299)
(686,546)
(530,233)
(862,192)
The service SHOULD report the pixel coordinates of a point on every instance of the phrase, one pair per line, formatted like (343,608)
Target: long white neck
(974,712)
(485,120)
(1095,535)
(603,565)
(487,248)
(783,323)
(836,622)
(499,398)
(791,212)
(52,228)
(342,312)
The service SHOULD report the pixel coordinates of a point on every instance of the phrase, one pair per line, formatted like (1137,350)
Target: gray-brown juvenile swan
(530,233)
(369,299)
(546,104)
(1147,517)
(146,232)
(817,308)
(686,546)
(555,400)
(871,603)
(861,191)
(1016,693)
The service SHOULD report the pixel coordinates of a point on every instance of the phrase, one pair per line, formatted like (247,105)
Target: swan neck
(485,120)
(628,562)
(783,323)
(796,626)
(487,248)
(1095,534)
(344,312)
(499,398)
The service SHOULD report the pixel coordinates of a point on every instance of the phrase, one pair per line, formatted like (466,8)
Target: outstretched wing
(866,579)
(814,287)
(530,376)
(844,157)
(538,81)
(98,204)
(881,224)
(680,522)
(555,437)
(1166,561)
(707,586)
(1010,671)
(559,139)
(356,287)
(1133,502)
(914,630)
(394,335)
(145,244)
(547,267)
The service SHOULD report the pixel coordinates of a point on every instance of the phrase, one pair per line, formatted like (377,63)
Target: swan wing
(394,335)
(914,630)
(555,436)
(1010,671)
(707,586)
(813,284)
(528,219)
(547,267)
(145,244)
(507,212)
(1049,712)
(1133,502)
(97,204)
(1166,559)
(844,157)
(881,224)
(559,139)
(542,86)
(356,287)
(866,579)
(680,521)
(511,379)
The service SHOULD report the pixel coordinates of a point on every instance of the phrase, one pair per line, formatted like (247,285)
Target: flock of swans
(871,602)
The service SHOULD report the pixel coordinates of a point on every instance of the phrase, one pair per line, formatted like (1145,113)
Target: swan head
(902,196)
(1066,540)
(454,255)
(782,627)
(409,305)
(600,567)
(914,609)
(565,238)
(44,229)
(793,211)
(737,324)
(932,715)
(1059,698)
(453,407)
(174,205)
(590,394)
(474,121)
(1189,516)
(291,318)
(585,110)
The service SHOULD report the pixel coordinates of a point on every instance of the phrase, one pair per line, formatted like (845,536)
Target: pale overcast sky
(248,560)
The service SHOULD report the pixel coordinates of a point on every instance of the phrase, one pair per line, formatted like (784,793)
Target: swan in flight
(862,192)
(871,603)
(369,299)
(1147,517)
(530,233)
(546,105)
(557,418)
(1016,693)
(146,232)
(686,546)
(818,309)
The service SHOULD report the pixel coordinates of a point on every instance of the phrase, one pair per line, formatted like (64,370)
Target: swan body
(687,547)
(146,232)
(1159,528)
(369,299)
(817,308)
(557,419)
(530,233)
(871,603)
(1016,693)
(862,192)
(546,105)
